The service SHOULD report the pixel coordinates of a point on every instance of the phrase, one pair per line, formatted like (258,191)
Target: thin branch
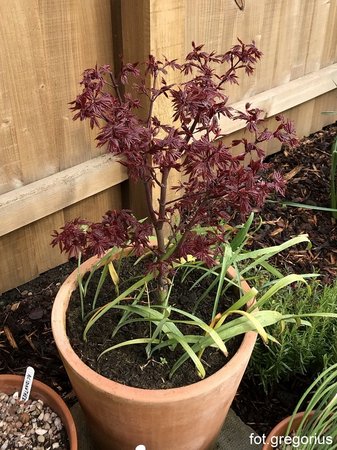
(233,67)
(148,193)
(162,210)
(116,87)
(191,130)
(187,229)
(163,195)
(152,100)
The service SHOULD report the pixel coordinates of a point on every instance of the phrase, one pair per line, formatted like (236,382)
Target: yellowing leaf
(113,274)
(190,258)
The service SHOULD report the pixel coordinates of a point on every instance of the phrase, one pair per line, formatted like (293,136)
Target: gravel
(29,426)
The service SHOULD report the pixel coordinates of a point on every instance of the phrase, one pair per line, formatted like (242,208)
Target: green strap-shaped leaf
(257,325)
(125,344)
(273,250)
(124,319)
(192,355)
(100,283)
(156,333)
(246,298)
(241,236)
(226,262)
(104,309)
(231,329)
(280,284)
(204,326)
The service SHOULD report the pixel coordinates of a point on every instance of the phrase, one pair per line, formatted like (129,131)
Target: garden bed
(25,333)
(307,171)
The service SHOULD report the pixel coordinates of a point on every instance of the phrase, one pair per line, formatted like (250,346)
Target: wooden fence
(50,169)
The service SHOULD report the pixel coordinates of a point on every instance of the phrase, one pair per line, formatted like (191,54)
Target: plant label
(27,384)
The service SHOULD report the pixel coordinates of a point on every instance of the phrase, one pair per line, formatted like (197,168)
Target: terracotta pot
(281,428)
(40,391)
(120,417)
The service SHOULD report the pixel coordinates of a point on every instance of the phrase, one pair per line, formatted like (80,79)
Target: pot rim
(53,400)
(280,428)
(58,323)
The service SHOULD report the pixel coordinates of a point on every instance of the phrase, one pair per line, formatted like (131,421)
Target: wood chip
(36,314)
(276,232)
(288,176)
(15,306)
(270,222)
(30,342)
(10,338)
(70,395)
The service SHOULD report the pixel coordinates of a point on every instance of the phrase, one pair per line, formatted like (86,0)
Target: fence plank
(136,28)
(286,96)
(166,16)
(45,48)
(53,193)
(27,251)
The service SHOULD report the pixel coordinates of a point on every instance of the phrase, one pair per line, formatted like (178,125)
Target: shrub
(301,350)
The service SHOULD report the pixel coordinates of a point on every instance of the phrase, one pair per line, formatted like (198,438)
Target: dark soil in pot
(129,365)
(257,409)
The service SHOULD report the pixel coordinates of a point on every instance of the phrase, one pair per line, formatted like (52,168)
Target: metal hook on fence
(240,4)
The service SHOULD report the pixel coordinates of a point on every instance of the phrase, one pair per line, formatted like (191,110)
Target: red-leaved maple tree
(215,184)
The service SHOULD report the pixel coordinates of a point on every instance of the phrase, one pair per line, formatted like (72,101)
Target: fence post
(152,27)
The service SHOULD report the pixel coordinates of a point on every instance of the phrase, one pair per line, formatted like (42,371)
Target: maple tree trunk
(159,229)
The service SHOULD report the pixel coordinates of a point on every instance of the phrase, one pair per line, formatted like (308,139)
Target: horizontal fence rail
(56,192)
(282,98)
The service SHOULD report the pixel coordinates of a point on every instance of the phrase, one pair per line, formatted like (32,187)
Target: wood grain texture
(147,29)
(54,193)
(27,252)
(45,48)
(166,17)
(296,37)
(136,26)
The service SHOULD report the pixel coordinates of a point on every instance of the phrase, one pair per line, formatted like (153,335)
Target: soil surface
(25,333)
(129,365)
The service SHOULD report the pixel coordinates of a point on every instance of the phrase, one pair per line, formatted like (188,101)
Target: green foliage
(318,427)
(300,350)
(165,321)
(333,179)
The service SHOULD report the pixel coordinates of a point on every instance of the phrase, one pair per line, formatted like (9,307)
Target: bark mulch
(307,172)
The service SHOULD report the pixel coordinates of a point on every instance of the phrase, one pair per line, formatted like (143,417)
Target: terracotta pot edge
(48,392)
(58,319)
(280,428)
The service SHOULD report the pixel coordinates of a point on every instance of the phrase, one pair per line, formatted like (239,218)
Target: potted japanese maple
(194,244)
